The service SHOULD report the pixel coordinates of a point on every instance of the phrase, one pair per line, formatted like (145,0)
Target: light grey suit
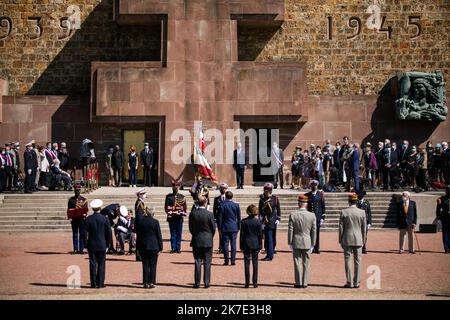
(352,232)
(302,237)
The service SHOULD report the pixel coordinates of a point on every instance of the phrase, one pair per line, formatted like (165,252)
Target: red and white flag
(203,168)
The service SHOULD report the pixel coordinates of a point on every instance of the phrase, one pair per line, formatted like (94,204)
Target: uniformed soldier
(443,215)
(176,208)
(78,224)
(98,231)
(352,231)
(197,190)
(139,208)
(217,201)
(316,204)
(270,215)
(302,237)
(364,204)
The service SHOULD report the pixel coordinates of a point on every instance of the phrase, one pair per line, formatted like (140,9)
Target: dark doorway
(262,168)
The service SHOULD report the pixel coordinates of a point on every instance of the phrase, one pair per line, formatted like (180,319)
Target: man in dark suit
(217,201)
(98,232)
(443,215)
(389,166)
(147,164)
(31,165)
(354,164)
(117,163)
(150,244)
(406,220)
(250,243)
(229,222)
(202,227)
(239,165)
(316,205)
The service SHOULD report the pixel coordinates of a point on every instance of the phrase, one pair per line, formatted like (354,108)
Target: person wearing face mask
(31,165)
(239,165)
(404,158)
(443,215)
(277,165)
(147,164)
(316,204)
(297,162)
(406,220)
(389,165)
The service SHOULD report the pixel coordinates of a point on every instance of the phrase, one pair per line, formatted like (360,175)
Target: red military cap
(302,198)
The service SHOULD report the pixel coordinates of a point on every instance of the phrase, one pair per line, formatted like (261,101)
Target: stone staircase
(46,211)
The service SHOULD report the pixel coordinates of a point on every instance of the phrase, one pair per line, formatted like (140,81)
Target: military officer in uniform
(98,231)
(443,215)
(111,211)
(270,215)
(364,204)
(139,208)
(301,238)
(352,231)
(316,204)
(78,224)
(176,208)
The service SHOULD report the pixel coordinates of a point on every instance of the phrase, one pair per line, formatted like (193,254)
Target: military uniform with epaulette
(78,225)
(175,208)
(443,214)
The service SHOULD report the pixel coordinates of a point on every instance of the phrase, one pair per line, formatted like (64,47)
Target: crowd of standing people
(44,167)
(382,167)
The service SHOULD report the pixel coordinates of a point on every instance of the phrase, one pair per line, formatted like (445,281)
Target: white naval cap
(96,204)
(123,211)
(141,191)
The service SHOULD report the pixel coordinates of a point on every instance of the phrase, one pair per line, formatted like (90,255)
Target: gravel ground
(34,265)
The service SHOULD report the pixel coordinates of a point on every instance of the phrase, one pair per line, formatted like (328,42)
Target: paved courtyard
(34,265)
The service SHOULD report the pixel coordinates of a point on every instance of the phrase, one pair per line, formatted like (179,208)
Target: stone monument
(421,97)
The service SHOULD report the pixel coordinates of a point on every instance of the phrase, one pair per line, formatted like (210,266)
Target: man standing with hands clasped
(98,232)
(352,231)
(302,238)
(406,220)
